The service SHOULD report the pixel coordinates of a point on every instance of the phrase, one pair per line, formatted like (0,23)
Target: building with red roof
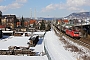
(2,27)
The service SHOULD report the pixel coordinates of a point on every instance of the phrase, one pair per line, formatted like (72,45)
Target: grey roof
(9,16)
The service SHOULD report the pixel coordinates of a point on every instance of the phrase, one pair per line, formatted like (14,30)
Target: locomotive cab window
(76,32)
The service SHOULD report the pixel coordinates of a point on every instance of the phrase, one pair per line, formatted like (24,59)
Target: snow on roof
(67,25)
(38,32)
(13,41)
(88,23)
(55,49)
(19,32)
(33,37)
(7,31)
(33,32)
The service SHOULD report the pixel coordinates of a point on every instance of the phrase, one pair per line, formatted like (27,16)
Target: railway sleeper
(76,40)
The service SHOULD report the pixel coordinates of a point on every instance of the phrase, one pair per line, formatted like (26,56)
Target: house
(9,20)
(31,22)
(18,24)
(66,21)
(2,27)
(26,23)
(59,22)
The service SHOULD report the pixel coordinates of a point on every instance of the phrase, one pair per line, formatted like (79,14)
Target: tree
(34,25)
(0,17)
(15,20)
(48,27)
(42,27)
(22,22)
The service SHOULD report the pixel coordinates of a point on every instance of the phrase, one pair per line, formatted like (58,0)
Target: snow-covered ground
(54,47)
(22,41)
(76,51)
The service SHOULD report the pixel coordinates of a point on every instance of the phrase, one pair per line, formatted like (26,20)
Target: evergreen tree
(34,25)
(42,25)
(0,17)
(48,27)
(22,22)
(15,21)
(56,21)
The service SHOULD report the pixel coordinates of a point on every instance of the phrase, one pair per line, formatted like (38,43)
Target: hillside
(79,15)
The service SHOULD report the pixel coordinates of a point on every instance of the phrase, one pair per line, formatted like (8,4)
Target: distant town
(12,22)
(21,24)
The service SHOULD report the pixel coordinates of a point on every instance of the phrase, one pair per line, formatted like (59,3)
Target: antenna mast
(31,12)
(35,14)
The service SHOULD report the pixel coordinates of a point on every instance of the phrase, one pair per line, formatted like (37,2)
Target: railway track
(78,41)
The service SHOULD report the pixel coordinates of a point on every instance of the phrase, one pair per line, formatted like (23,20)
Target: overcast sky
(44,8)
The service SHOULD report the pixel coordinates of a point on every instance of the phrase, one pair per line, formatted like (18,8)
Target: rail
(78,41)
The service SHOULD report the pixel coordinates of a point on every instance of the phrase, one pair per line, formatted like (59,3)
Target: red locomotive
(72,33)
(71,30)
